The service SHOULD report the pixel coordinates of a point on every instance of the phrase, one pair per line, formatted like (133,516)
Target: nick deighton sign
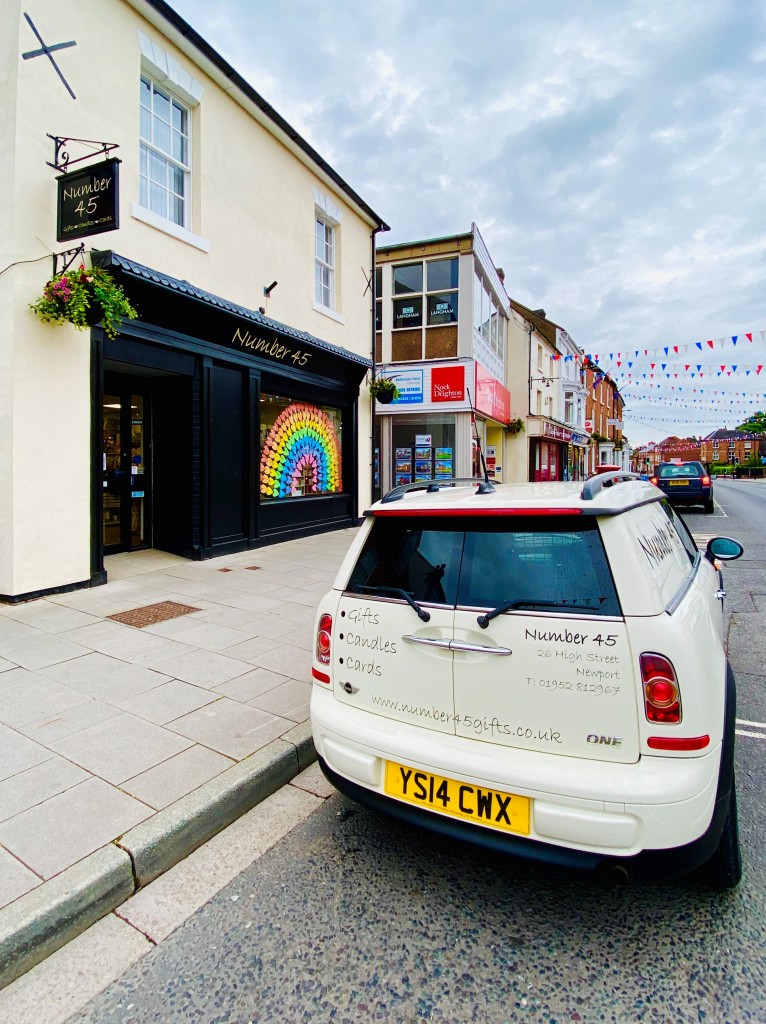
(88,201)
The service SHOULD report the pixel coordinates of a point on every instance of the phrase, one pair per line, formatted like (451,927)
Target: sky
(613,156)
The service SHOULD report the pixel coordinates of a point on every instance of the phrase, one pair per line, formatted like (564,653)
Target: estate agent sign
(88,201)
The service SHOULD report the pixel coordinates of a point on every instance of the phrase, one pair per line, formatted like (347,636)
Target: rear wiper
(507,606)
(424,615)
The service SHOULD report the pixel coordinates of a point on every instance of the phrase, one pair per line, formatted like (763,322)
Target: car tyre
(724,869)
(709,506)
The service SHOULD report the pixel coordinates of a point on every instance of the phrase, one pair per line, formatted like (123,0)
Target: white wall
(253,206)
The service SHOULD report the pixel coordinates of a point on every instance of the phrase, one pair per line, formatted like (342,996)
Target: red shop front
(549,453)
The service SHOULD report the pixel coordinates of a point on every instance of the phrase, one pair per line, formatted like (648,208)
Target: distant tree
(755,425)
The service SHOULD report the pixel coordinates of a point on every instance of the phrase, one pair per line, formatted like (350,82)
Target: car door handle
(426,641)
(456,645)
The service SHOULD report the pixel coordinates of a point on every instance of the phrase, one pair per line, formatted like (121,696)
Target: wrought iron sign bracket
(67,258)
(61,158)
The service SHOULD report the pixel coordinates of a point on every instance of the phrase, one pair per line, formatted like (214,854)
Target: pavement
(124,747)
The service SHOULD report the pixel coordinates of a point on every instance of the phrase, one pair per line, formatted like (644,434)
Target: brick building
(732,448)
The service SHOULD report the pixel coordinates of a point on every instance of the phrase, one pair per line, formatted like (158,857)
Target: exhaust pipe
(614,873)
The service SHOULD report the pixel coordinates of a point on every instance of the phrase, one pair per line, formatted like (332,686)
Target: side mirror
(724,549)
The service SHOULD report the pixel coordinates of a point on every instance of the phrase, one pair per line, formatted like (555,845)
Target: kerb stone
(43,920)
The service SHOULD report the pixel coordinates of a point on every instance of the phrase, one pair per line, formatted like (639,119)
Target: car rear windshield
(685,469)
(454,561)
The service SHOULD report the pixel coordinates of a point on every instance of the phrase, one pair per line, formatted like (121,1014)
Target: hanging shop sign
(492,398)
(88,201)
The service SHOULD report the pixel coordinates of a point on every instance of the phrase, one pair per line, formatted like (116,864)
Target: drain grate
(151,614)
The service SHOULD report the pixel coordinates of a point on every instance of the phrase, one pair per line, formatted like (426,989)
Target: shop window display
(300,449)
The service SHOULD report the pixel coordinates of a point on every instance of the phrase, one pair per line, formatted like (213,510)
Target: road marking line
(755,735)
(756,725)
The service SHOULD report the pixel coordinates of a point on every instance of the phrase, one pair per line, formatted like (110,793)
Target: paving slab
(64,723)
(52,652)
(231,728)
(169,781)
(168,701)
(62,830)
(105,678)
(204,668)
(17,752)
(34,785)
(252,684)
(15,878)
(120,747)
(33,697)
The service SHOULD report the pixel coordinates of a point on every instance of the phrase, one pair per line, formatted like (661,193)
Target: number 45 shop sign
(88,201)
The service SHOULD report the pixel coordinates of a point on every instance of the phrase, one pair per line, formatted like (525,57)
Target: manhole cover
(151,614)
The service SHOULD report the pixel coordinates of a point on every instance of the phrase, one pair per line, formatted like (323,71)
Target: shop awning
(179,306)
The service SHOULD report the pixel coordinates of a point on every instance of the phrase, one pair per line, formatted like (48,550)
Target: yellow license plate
(678,483)
(458,799)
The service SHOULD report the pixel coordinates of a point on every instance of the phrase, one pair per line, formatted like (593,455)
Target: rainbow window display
(300,449)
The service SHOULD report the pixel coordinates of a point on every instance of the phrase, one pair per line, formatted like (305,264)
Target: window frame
(321,264)
(424,293)
(153,149)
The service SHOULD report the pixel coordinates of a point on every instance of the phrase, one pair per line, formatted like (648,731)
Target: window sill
(326,311)
(168,227)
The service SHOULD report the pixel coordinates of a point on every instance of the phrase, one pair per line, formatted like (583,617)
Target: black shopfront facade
(220,429)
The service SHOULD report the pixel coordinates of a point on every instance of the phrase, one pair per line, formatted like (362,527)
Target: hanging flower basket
(515,426)
(84,298)
(384,390)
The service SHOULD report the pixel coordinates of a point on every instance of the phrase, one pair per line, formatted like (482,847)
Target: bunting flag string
(708,403)
(748,338)
(755,395)
(626,369)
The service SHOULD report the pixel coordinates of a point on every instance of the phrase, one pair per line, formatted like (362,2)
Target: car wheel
(724,869)
(709,506)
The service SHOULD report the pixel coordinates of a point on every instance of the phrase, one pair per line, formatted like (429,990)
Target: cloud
(611,154)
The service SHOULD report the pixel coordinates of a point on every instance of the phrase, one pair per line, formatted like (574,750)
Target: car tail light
(706,481)
(653,480)
(662,698)
(324,639)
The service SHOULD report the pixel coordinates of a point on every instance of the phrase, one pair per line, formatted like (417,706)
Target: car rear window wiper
(484,620)
(422,613)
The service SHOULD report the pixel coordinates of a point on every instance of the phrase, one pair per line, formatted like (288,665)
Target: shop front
(440,425)
(577,468)
(548,455)
(220,429)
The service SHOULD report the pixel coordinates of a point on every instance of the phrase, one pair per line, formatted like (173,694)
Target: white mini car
(537,668)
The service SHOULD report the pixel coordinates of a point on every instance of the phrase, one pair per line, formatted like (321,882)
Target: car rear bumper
(582,812)
(696,497)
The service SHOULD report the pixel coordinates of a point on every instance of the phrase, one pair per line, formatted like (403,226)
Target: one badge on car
(349,688)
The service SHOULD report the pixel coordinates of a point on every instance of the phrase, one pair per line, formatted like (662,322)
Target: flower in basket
(384,390)
(84,298)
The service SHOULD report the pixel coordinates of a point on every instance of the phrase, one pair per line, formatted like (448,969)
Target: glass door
(125,470)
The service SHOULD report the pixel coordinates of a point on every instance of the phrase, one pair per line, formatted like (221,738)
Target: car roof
(600,495)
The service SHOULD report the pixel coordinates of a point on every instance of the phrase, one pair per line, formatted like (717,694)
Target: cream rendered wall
(516,467)
(9,36)
(253,204)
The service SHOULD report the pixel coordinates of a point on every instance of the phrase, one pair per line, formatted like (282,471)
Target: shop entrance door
(126,521)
